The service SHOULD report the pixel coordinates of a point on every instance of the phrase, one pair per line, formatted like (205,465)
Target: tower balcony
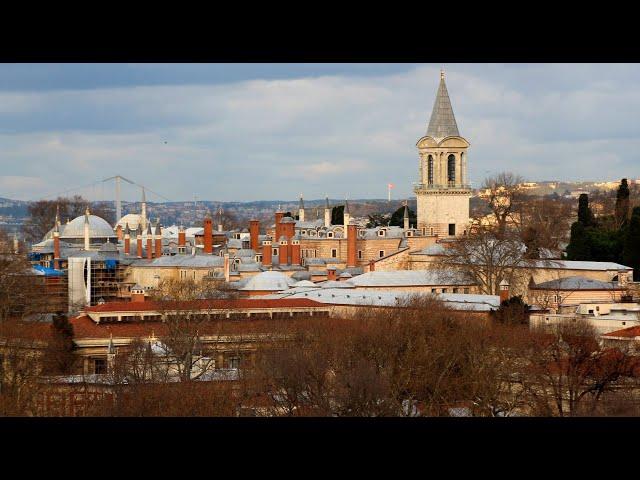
(426,187)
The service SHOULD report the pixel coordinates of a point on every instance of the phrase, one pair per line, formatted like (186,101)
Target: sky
(244,132)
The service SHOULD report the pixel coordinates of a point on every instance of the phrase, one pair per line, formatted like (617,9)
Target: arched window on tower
(430,170)
(451,170)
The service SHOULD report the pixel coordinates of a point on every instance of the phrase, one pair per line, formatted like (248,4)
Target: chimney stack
(139,241)
(149,242)
(296,258)
(119,232)
(266,253)
(352,236)
(278,232)
(127,239)
(56,247)
(158,249)
(208,235)
(227,267)
(504,291)
(254,233)
(182,240)
(331,273)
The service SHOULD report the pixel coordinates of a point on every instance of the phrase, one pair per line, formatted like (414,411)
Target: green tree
(337,215)
(579,247)
(397,217)
(631,248)
(622,203)
(513,311)
(585,216)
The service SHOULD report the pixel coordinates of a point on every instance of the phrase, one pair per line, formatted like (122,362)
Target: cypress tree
(579,247)
(585,216)
(622,203)
(631,249)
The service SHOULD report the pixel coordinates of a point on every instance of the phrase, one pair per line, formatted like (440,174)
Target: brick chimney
(331,273)
(127,240)
(137,294)
(504,291)
(352,236)
(266,253)
(208,235)
(254,233)
(182,239)
(296,258)
(227,267)
(158,249)
(283,257)
(139,241)
(149,243)
(119,232)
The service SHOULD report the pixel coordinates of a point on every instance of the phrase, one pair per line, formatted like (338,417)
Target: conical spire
(127,230)
(443,122)
(346,205)
(327,202)
(158,228)
(301,205)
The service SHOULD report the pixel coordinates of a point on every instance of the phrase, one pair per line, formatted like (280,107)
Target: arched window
(430,170)
(451,169)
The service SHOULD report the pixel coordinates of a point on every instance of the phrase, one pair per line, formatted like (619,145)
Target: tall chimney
(352,236)
(254,233)
(149,242)
(182,240)
(158,249)
(139,241)
(208,235)
(127,239)
(119,232)
(266,253)
(504,291)
(296,258)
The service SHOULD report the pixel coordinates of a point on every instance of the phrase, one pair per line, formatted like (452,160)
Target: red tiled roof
(85,328)
(233,304)
(628,332)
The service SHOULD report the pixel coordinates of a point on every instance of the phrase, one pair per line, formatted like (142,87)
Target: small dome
(98,228)
(268,281)
(306,283)
(133,219)
(108,247)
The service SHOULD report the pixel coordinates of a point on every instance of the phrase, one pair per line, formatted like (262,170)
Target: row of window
(451,170)
(453,290)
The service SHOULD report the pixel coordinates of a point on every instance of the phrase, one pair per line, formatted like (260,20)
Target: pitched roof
(577,283)
(630,332)
(213,304)
(442,123)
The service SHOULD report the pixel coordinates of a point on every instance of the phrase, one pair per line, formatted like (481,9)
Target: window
(430,170)
(234,362)
(359,254)
(433,290)
(455,290)
(466,290)
(431,231)
(334,252)
(99,366)
(452,229)
(451,169)
(329,234)
(381,233)
(275,251)
(445,290)
(381,253)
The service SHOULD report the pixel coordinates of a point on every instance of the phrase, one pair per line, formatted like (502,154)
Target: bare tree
(504,196)
(485,259)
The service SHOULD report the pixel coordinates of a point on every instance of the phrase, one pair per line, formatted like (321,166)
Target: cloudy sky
(267,132)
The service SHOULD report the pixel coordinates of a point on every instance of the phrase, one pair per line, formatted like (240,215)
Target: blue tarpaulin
(49,272)
(110,263)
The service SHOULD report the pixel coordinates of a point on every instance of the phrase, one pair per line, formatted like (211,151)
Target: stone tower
(443,190)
